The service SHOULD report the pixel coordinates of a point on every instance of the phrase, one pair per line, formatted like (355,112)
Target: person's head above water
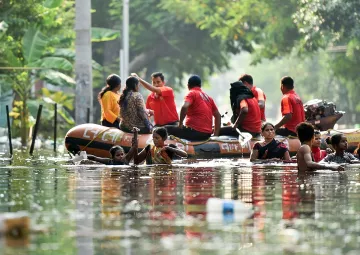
(339,142)
(268,131)
(194,81)
(117,153)
(113,83)
(159,136)
(286,84)
(317,139)
(305,132)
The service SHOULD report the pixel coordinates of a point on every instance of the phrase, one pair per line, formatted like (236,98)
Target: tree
(277,28)
(83,59)
(159,41)
(28,52)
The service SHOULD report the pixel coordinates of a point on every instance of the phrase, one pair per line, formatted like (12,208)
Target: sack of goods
(316,109)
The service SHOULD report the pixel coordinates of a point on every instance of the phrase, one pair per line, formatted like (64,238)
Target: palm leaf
(99,34)
(53,63)
(70,55)
(34,43)
(57,78)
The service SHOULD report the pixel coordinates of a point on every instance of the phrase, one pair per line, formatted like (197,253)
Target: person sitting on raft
(246,111)
(159,153)
(248,81)
(132,108)
(270,149)
(161,101)
(292,109)
(108,98)
(340,144)
(305,162)
(117,153)
(199,110)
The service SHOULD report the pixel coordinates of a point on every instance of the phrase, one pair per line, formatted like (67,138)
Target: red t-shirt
(252,121)
(259,95)
(291,103)
(318,154)
(163,106)
(201,110)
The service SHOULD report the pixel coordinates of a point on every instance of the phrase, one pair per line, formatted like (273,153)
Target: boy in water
(118,155)
(305,162)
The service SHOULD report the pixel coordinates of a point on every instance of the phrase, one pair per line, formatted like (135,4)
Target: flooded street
(162,210)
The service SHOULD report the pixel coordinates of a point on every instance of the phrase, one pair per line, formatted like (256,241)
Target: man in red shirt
(292,109)
(246,111)
(199,110)
(161,101)
(247,80)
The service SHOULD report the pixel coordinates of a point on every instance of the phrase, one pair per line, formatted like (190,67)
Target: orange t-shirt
(163,106)
(110,108)
(201,110)
(252,121)
(259,95)
(291,103)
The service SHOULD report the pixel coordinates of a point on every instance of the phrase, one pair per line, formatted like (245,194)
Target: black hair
(112,81)
(263,126)
(194,81)
(73,149)
(158,74)
(287,82)
(114,149)
(335,139)
(162,132)
(131,83)
(317,132)
(246,78)
(305,131)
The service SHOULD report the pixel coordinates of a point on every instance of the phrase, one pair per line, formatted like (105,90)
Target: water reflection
(104,210)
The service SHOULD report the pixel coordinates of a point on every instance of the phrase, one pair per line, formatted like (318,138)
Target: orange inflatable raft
(97,140)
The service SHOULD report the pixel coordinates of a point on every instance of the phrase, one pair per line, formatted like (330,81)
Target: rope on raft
(95,136)
(202,142)
(342,132)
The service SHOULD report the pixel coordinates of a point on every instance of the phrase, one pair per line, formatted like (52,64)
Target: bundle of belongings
(316,109)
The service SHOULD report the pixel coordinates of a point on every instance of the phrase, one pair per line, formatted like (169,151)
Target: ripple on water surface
(160,209)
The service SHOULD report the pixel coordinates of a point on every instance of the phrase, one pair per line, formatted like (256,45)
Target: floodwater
(162,210)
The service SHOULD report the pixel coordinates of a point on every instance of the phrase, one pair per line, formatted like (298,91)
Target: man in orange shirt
(199,110)
(292,109)
(247,80)
(246,111)
(161,101)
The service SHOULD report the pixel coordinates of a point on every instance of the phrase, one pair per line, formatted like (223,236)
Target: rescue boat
(97,140)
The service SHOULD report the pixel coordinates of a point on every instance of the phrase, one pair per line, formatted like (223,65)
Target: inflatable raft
(97,140)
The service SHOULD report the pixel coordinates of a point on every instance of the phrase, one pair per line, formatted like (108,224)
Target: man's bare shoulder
(304,149)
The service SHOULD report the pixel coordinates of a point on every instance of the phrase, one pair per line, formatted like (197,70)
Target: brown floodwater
(162,210)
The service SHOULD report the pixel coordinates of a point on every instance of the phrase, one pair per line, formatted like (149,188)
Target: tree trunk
(83,58)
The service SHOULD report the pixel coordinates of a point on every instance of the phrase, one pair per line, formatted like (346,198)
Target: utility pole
(124,52)
(83,61)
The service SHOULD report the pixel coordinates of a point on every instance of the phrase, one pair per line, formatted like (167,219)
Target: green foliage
(99,34)
(159,40)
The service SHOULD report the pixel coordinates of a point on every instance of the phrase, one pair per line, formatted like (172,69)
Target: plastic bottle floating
(226,210)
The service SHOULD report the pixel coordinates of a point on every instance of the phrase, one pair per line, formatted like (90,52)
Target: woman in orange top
(108,99)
